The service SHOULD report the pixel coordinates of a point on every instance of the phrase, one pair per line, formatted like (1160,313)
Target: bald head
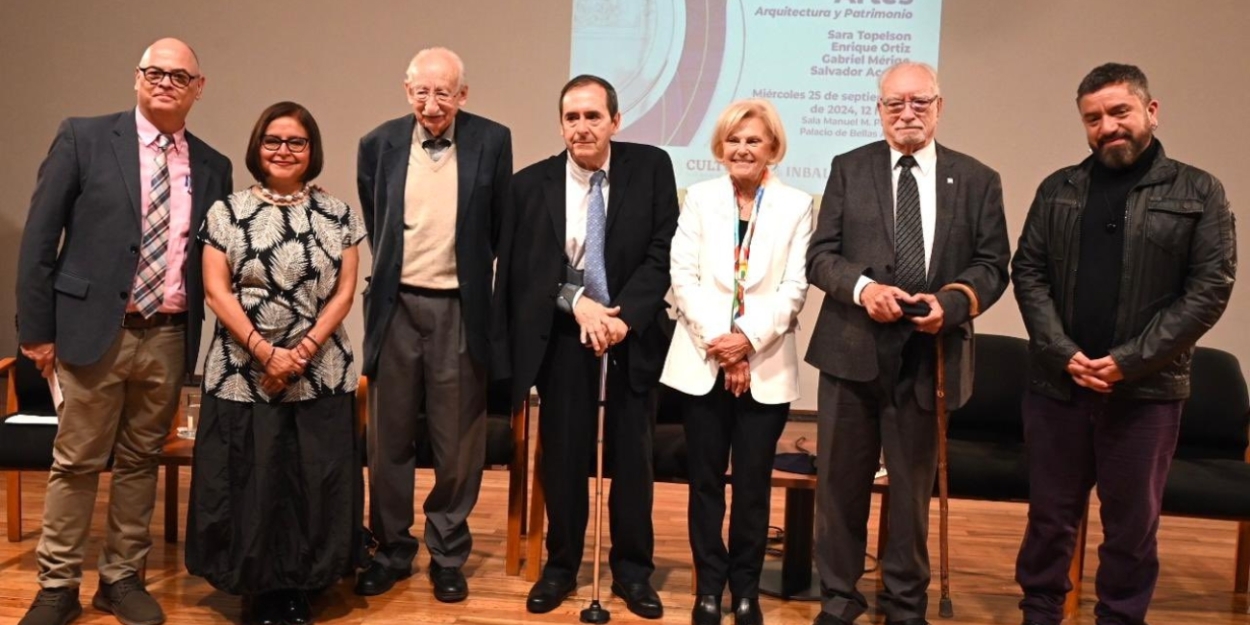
(169,48)
(439,60)
(168,82)
(436,88)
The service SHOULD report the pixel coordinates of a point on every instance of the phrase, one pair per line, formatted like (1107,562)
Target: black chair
(24,446)
(985,438)
(669,441)
(1210,476)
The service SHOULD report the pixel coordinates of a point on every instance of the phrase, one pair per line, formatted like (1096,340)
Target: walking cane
(596,612)
(945,609)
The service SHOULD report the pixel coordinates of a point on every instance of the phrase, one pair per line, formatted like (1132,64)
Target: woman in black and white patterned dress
(276,489)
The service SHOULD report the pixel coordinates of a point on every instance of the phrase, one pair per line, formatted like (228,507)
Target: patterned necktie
(908,231)
(150,277)
(596,277)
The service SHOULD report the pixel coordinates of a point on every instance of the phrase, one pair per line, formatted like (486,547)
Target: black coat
(484,167)
(855,236)
(642,217)
(73,292)
(1180,261)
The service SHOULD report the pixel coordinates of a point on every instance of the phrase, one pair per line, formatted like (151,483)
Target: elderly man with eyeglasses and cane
(910,244)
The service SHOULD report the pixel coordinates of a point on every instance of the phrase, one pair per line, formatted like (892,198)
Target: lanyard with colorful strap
(742,254)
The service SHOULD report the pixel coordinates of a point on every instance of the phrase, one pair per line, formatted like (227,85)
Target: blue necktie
(596,276)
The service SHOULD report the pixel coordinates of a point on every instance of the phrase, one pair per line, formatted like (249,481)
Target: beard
(1124,155)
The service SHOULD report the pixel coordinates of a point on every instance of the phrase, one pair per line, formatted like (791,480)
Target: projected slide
(677,63)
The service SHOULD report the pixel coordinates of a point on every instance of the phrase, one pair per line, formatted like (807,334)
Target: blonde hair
(742,110)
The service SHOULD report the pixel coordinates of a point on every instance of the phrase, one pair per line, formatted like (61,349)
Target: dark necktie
(908,231)
(596,276)
(436,147)
(149,285)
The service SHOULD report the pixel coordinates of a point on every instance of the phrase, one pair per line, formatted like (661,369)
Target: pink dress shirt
(178,159)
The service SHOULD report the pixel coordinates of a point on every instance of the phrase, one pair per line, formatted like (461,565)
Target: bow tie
(436,144)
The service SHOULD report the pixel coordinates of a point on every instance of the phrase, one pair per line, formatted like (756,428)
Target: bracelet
(310,337)
(259,341)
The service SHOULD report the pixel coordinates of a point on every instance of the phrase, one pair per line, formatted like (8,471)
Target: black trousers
(857,421)
(717,425)
(568,387)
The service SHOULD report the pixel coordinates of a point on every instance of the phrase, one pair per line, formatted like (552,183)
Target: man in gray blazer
(910,245)
(110,299)
(432,187)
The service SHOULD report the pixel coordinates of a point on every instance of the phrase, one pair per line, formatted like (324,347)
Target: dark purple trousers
(1124,447)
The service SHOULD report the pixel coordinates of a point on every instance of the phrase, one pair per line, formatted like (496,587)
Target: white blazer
(702,267)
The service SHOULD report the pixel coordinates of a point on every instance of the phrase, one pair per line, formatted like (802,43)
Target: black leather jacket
(1180,260)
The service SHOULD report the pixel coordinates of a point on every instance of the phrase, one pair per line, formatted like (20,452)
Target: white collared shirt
(576,203)
(925,173)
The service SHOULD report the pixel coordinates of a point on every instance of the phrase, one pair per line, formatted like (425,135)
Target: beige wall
(1009,73)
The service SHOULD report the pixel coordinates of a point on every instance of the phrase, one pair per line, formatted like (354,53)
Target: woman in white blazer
(739,281)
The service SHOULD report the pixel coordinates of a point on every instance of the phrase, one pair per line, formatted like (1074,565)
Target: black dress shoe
(910,621)
(548,593)
(640,598)
(297,610)
(377,579)
(262,609)
(449,583)
(825,618)
(747,612)
(706,610)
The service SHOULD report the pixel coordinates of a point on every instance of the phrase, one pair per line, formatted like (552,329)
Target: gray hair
(909,64)
(436,51)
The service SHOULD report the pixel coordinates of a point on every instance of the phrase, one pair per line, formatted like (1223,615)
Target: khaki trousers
(121,406)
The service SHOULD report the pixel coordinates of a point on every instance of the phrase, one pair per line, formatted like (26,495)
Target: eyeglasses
(919,104)
(178,78)
(440,96)
(294,144)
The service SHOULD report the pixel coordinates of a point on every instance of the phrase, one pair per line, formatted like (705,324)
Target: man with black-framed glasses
(110,303)
(910,245)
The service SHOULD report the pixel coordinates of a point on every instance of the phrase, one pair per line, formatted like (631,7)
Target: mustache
(1115,137)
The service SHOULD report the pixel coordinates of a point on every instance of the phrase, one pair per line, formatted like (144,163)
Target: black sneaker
(129,601)
(53,606)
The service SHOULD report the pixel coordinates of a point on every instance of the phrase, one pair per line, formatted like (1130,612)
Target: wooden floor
(1195,584)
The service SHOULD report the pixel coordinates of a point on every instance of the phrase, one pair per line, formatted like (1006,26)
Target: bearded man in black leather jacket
(1124,262)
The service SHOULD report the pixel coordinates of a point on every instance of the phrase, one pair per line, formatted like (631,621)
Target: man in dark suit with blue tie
(575,283)
(110,298)
(905,223)
(432,190)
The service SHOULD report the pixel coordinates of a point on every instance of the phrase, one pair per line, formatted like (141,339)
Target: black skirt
(277,494)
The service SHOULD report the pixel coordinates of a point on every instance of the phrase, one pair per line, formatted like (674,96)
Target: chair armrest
(9,369)
(362,405)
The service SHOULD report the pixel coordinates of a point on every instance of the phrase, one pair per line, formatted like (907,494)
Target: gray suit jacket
(484,166)
(74,292)
(855,236)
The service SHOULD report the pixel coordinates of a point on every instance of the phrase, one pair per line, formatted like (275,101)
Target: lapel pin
(950,181)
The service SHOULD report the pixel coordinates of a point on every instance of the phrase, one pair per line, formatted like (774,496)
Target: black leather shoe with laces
(449,583)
